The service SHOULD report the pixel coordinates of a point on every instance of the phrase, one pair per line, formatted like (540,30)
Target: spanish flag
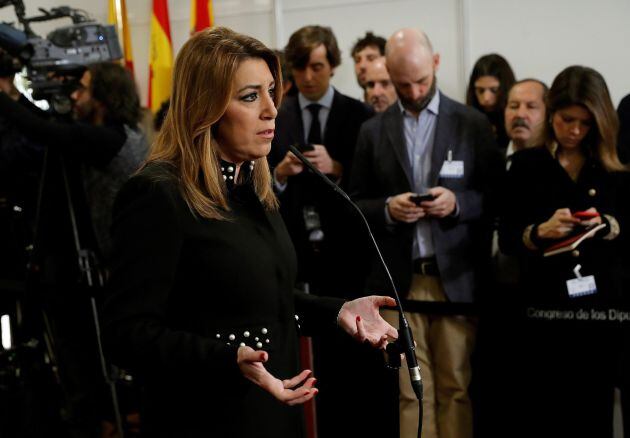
(201,15)
(160,56)
(118,17)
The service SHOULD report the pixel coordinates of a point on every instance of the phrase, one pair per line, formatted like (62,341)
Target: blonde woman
(202,304)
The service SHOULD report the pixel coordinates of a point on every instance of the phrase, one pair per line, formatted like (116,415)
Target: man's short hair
(305,40)
(538,81)
(369,40)
(113,86)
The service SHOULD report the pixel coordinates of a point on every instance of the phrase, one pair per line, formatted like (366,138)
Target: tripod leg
(111,383)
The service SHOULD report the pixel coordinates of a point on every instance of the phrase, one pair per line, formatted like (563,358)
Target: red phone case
(585,214)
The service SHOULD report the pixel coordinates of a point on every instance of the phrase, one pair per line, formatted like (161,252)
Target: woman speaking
(201,300)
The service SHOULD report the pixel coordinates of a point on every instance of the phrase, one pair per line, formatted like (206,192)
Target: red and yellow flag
(201,15)
(160,56)
(118,17)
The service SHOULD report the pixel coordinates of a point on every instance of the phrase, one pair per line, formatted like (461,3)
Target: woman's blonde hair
(201,91)
(583,86)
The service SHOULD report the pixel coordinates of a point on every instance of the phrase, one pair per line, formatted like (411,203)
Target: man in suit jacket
(327,234)
(319,222)
(429,144)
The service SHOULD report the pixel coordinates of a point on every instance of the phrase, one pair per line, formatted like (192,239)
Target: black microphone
(405,338)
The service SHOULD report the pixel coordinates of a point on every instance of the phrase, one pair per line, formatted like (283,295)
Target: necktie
(315,133)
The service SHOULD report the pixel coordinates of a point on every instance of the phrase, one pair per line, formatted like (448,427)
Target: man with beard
(525,115)
(88,158)
(436,244)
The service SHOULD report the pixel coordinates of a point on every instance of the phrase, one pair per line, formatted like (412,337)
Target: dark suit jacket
(177,282)
(339,223)
(340,133)
(381,169)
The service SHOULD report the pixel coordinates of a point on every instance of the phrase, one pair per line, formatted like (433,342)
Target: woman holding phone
(572,183)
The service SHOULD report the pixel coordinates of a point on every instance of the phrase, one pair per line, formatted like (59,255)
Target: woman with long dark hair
(564,188)
(201,301)
(488,86)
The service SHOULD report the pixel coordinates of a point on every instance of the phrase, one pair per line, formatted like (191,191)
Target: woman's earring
(251,165)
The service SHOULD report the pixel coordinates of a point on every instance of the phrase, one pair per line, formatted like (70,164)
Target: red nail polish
(358,318)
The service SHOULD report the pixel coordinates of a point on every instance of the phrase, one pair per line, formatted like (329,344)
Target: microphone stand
(404,343)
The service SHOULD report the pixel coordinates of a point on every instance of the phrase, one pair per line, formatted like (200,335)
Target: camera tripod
(37,356)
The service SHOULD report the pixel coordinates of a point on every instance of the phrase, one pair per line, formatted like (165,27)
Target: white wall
(538,37)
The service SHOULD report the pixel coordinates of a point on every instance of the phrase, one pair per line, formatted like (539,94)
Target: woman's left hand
(294,391)
(593,221)
(361,319)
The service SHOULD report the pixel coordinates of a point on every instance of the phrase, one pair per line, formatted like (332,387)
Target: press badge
(452,168)
(581,286)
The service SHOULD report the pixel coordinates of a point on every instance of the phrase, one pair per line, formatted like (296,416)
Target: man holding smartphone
(422,173)
(324,124)
(327,234)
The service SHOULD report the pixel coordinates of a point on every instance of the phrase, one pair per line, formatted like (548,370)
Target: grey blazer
(381,169)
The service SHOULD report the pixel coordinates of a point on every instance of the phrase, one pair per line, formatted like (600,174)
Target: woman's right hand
(558,226)
(287,391)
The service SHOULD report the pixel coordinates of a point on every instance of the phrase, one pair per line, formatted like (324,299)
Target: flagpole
(120,26)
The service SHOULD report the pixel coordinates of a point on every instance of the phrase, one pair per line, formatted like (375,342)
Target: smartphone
(585,215)
(417,199)
(304,147)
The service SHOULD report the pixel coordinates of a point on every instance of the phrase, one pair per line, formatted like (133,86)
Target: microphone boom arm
(405,337)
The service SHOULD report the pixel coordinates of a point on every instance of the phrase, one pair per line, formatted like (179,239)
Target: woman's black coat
(565,351)
(185,292)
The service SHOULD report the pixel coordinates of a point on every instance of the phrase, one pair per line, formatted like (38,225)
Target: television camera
(55,63)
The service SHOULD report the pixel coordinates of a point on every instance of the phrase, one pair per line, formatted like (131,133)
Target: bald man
(379,90)
(429,144)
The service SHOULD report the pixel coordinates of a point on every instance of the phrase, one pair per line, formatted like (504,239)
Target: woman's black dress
(185,292)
